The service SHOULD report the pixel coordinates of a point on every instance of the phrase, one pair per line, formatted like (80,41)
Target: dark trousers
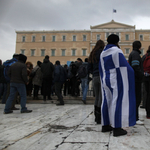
(73,85)
(47,82)
(138,97)
(36,90)
(66,88)
(147,105)
(144,94)
(58,91)
(3,91)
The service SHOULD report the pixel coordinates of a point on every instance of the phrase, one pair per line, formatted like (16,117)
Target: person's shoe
(84,102)
(14,108)
(59,104)
(107,128)
(26,111)
(9,112)
(139,122)
(119,132)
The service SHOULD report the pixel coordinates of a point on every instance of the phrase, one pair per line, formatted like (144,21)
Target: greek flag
(114,10)
(118,89)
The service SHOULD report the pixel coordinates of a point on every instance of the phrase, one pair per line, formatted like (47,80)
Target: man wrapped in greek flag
(118,89)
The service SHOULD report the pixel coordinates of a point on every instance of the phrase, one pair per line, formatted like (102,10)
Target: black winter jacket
(47,68)
(60,74)
(18,73)
(94,67)
(2,78)
(135,62)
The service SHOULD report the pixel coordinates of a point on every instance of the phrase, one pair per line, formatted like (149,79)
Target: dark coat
(18,72)
(2,78)
(60,74)
(145,78)
(135,62)
(94,67)
(47,69)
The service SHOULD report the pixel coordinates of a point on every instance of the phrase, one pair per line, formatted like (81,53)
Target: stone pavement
(68,127)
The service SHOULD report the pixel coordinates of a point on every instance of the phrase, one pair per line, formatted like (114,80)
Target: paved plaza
(68,127)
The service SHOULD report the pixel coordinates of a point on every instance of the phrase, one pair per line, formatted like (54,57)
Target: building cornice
(141,30)
(53,31)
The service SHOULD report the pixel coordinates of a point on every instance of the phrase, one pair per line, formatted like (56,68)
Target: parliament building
(68,45)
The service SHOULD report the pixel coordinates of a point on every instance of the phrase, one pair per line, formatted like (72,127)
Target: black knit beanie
(113,39)
(39,63)
(22,58)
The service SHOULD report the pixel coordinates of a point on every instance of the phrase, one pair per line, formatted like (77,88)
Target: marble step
(67,100)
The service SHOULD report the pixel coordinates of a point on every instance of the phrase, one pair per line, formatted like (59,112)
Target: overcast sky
(65,14)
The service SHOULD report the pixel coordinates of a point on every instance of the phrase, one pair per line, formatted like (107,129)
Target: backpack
(82,71)
(7,64)
(146,64)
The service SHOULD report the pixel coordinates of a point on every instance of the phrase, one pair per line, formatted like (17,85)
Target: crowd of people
(117,83)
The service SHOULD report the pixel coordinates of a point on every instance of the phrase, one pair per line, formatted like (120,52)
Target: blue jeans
(3,91)
(14,87)
(85,86)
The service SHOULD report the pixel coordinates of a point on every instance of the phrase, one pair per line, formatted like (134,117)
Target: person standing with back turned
(18,78)
(93,68)
(47,69)
(118,89)
(135,62)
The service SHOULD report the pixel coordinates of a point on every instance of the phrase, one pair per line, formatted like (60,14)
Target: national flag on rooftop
(114,10)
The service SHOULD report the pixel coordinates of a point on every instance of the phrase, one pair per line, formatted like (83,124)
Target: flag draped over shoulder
(118,89)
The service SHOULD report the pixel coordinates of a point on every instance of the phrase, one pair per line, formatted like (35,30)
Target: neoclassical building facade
(68,45)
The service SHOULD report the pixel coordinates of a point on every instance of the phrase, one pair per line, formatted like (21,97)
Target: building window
(43,38)
(73,52)
(142,51)
(98,37)
(84,37)
(63,38)
(53,38)
(117,33)
(33,38)
(107,34)
(141,37)
(42,52)
(32,52)
(23,38)
(127,51)
(22,51)
(53,52)
(127,37)
(84,52)
(63,52)
(74,38)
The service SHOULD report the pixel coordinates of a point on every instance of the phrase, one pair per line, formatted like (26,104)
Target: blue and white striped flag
(118,88)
